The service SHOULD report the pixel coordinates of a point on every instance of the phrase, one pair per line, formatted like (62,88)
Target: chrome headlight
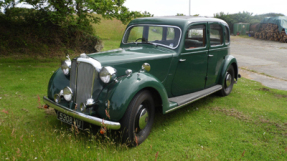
(68,93)
(107,73)
(66,66)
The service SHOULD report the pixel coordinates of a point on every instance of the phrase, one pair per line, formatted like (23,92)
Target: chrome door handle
(181,60)
(210,55)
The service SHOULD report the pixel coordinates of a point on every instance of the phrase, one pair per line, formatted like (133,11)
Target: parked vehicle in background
(163,63)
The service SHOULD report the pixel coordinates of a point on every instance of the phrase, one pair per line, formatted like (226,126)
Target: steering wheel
(140,39)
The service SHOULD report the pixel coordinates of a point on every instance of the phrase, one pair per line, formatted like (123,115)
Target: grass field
(110,29)
(249,124)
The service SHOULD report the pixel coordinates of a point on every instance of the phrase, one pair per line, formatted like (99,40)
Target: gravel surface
(265,61)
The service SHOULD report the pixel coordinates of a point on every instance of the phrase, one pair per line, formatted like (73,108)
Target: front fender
(57,82)
(115,98)
(229,60)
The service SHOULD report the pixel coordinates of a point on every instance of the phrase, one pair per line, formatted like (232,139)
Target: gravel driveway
(261,60)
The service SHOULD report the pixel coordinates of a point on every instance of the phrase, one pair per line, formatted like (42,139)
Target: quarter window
(226,35)
(216,34)
(195,37)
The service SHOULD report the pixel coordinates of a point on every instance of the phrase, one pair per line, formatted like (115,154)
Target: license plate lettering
(70,120)
(78,123)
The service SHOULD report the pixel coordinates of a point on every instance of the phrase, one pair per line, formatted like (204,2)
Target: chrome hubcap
(143,117)
(228,80)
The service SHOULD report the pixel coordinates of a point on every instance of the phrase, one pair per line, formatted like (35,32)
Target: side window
(216,34)
(195,37)
(226,35)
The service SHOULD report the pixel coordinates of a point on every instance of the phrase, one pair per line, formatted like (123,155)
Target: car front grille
(84,82)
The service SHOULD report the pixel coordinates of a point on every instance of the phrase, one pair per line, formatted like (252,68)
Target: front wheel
(228,82)
(138,119)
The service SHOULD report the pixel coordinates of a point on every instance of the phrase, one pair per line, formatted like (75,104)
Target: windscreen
(167,36)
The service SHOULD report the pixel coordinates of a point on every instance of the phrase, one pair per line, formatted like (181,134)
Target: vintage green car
(163,63)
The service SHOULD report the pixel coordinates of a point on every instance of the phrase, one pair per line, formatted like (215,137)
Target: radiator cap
(83,55)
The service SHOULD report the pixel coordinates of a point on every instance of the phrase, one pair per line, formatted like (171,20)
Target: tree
(245,17)
(180,14)
(65,10)
(6,4)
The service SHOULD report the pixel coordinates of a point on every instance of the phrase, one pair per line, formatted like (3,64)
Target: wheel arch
(156,97)
(229,60)
(235,67)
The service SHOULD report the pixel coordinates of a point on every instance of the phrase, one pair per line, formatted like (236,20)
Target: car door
(192,61)
(216,53)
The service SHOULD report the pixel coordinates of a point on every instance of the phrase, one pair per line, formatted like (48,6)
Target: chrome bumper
(81,116)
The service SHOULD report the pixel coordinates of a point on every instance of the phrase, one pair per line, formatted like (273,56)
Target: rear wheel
(138,119)
(228,82)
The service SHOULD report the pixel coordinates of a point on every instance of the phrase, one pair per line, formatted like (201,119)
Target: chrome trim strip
(97,65)
(90,119)
(76,81)
(197,48)
(94,76)
(194,52)
(218,49)
(179,39)
(177,107)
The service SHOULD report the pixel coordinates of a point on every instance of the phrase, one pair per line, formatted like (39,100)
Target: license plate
(70,120)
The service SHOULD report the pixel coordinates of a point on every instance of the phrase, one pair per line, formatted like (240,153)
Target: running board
(189,98)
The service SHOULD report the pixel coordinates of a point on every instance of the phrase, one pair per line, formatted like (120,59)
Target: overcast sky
(206,7)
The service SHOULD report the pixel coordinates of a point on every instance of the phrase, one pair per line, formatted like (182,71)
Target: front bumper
(90,119)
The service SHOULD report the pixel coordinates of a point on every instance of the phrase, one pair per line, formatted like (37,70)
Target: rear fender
(229,60)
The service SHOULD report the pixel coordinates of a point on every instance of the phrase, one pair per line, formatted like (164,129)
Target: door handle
(210,55)
(181,60)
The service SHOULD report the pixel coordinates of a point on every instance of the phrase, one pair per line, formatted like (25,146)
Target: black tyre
(138,119)
(228,82)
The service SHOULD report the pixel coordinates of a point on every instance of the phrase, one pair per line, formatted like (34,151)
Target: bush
(25,31)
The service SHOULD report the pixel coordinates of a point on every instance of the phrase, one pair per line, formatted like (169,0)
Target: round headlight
(66,65)
(68,93)
(107,73)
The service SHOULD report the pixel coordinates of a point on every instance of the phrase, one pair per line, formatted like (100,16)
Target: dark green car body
(175,70)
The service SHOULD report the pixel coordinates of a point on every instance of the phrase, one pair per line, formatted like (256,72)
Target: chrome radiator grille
(84,81)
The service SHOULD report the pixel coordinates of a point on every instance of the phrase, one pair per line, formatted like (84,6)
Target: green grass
(111,44)
(249,124)
(109,29)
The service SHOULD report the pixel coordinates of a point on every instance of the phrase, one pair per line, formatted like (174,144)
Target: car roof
(180,21)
